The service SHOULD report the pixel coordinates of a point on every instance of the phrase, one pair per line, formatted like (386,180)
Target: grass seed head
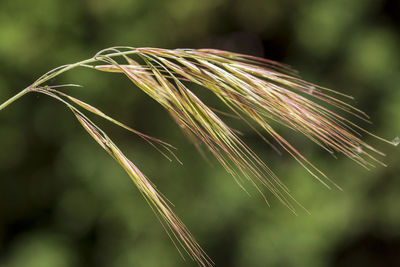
(257,91)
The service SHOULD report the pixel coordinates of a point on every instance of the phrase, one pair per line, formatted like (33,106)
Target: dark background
(64,202)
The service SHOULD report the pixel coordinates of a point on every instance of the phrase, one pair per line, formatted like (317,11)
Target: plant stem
(41,80)
(12,99)
(66,68)
(84,63)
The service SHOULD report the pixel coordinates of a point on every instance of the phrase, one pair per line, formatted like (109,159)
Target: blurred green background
(65,202)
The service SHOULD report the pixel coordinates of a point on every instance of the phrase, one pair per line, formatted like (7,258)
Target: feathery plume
(257,91)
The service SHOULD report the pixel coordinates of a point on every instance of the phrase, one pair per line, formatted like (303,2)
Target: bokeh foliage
(64,202)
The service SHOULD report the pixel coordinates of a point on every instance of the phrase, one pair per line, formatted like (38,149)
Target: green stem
(84,63)
(66,68)
(12,99)
(41,80)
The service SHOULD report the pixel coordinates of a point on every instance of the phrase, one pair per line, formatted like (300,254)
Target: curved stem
(41,80)
(66,68)
(84,63)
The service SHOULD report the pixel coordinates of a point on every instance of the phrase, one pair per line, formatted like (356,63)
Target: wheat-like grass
(256,90)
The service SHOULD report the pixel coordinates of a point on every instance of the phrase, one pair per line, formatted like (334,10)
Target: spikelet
(257,91)
(174,227)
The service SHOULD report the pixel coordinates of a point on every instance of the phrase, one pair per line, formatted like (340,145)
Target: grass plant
(255,90)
